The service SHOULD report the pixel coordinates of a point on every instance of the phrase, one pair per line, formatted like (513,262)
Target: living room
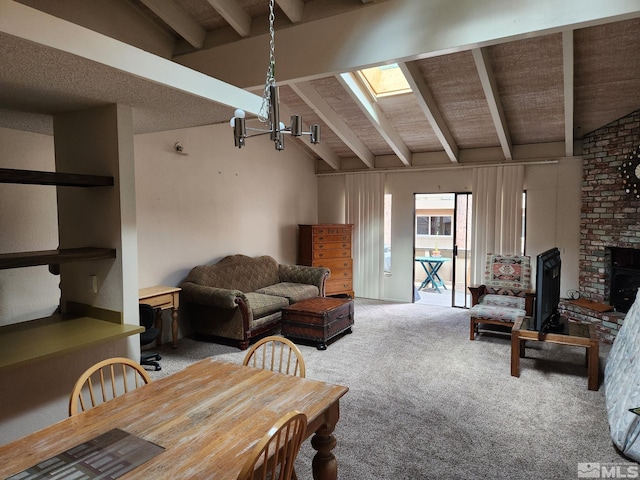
(209,200)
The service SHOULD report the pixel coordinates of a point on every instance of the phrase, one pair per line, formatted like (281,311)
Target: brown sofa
(241,297)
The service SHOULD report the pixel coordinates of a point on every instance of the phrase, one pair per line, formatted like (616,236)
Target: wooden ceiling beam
(361,37)
(312,98)
(375,116)
(430,109)
(178,20)
(292,9)
(490,88)
(234,15)
(567,62)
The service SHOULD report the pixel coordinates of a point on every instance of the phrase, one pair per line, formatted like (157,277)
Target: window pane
(446,225)
(422,225)
(441,225)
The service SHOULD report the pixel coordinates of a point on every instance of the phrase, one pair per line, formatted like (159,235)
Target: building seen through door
(442,249)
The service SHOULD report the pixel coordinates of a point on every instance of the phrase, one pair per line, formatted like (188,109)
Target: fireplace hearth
(625,277)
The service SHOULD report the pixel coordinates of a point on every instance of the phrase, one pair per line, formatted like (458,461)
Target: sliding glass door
(462,250)
(442,249)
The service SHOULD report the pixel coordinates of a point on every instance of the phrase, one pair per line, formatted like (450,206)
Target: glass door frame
(462,238)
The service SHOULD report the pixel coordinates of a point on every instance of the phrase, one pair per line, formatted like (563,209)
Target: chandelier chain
(271,70)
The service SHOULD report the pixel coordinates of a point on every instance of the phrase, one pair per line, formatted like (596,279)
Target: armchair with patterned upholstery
(506,293)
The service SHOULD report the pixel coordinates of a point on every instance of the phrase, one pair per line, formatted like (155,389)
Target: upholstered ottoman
(317,319)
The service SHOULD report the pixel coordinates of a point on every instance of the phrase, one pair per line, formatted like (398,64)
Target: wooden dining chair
(277,354)
(274,455)
(105,381)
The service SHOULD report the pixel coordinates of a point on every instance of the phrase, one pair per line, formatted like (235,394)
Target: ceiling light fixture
(270,110)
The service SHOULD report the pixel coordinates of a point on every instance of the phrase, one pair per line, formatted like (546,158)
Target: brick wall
(610,217)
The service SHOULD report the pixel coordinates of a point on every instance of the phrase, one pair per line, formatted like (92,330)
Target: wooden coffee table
(318,319)
(577,334)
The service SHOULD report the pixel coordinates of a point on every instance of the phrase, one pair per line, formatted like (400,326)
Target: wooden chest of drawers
(328,245)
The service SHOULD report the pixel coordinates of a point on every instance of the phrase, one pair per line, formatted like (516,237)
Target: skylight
(385,80)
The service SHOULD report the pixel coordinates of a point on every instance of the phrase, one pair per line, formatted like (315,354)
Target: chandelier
(270,110)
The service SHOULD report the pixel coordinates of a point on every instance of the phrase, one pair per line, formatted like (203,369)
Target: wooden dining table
(207,417)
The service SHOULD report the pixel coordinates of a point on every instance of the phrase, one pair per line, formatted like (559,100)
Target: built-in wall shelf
(44,338)
(33,177)
(48,257)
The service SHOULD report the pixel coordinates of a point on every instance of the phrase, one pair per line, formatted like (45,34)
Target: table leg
(593,367)
(426,281)
(515,355)
(174,327)
(325,465)
(159,326)
(435,276)
(433,273)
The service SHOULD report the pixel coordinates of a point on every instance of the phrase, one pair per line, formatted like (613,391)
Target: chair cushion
(263,305)
(293,292)
(492,312)
(512,271)
(503,301)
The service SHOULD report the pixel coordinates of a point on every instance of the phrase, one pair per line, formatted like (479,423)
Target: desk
(577,334)
(431,265)
(208,416)
(163,298)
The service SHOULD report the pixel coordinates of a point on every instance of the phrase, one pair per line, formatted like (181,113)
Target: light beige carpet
(425,402)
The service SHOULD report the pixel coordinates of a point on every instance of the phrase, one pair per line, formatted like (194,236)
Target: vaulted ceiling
(492,81)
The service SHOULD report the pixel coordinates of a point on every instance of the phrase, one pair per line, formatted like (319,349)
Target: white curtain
(364,208)
(497,214)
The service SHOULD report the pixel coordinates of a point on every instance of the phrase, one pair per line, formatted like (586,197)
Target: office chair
(147,320)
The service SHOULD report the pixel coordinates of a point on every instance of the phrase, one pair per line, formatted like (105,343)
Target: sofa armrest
(212,296)
(304,274)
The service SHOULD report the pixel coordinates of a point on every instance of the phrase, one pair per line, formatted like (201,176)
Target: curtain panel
(364,208)
(497,214)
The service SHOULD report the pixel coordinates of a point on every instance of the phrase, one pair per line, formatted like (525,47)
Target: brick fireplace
(610,217)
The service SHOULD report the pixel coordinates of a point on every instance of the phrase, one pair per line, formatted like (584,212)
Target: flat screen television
(545,315)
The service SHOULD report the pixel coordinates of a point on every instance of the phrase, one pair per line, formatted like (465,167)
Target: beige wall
(553,215)
(217,200)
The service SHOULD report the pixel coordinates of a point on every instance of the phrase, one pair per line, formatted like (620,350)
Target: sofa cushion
(294,292)
(263,305)
(237,272)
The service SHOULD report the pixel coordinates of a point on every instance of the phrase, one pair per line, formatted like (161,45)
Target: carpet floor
(425,402)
